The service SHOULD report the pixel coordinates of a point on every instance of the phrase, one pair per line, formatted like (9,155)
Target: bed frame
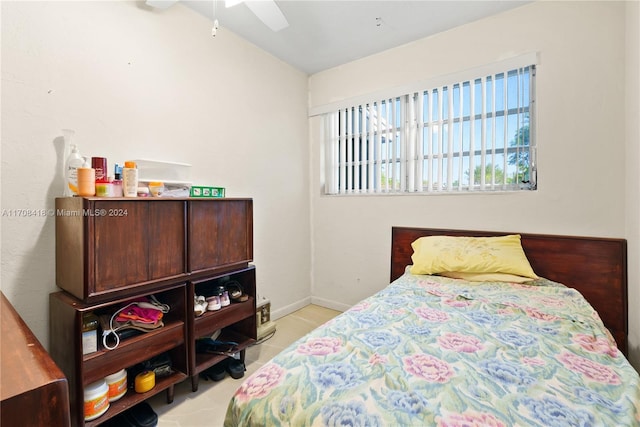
(596,267)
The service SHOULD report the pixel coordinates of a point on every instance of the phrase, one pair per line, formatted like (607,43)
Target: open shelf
(213,320)
(131,398)
(206,360)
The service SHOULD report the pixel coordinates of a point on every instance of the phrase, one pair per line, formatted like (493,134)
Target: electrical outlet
(263,311)
(263,318)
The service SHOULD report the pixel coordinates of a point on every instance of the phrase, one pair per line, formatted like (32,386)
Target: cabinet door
(120,244)
(220,233)
(166,232)
(137,242)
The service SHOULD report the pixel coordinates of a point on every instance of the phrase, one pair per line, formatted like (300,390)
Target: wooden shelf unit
(110,251)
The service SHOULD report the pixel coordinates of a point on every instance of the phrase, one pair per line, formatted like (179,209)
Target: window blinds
(459,136)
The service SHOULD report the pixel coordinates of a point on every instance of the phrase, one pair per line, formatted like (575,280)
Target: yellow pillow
(500,254)
(486,277)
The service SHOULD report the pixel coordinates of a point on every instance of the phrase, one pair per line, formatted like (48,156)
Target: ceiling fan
(266,10)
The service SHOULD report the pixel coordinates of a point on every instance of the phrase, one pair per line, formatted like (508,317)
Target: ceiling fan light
(269,13)
(161,4)
(231,3)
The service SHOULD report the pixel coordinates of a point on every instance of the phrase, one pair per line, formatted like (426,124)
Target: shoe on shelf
(199,305)
(213,303)
(236,292)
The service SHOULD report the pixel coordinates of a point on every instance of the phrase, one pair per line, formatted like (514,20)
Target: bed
(435,350)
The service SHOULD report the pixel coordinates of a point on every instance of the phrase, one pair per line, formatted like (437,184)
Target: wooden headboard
(596,267)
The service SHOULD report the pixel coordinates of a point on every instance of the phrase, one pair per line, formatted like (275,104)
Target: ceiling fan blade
(161,4)
(269,13)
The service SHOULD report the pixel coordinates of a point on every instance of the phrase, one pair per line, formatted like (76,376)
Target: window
(461,135)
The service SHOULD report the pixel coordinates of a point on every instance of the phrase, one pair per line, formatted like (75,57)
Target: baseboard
(334,305)
(281,312)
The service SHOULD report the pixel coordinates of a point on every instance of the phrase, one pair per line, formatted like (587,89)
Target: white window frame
(424,152)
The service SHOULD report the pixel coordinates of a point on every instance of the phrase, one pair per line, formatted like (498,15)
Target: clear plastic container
(167,172)
(156,188)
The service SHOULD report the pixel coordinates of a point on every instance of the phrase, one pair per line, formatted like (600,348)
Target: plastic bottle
(130,179)
(86,180)
(74,161)
(117,181)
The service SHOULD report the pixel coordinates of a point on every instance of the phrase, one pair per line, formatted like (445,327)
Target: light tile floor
(208,405)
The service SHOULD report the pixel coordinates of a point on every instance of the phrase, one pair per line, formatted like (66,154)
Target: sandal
(236,293)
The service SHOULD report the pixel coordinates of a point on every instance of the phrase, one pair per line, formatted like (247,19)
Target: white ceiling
(328,33)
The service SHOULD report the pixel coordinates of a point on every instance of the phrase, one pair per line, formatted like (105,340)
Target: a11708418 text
(30,212)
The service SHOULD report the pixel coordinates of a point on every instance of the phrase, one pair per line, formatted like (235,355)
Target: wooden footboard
(595,266)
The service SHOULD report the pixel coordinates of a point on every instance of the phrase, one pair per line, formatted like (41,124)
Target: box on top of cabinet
(203,191)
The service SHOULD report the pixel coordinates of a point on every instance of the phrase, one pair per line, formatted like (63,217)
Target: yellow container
(156,188)
(145,381)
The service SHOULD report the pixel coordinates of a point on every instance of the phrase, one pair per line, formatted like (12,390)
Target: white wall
(140,83)
(580,126)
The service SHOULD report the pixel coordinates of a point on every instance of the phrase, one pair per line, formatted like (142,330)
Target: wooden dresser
(33,389)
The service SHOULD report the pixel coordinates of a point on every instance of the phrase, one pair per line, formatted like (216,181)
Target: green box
(206,192)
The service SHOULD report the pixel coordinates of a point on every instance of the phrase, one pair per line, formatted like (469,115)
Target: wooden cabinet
(110,251)
(113,247)
(106,247)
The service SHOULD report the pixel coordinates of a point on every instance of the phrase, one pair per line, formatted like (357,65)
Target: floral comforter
(433,351)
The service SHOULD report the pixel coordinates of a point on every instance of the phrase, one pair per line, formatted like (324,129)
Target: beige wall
(580,126)
(140,83)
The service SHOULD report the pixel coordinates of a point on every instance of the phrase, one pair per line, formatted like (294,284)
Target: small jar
(156,188)
(104,189)
(144,381)
(96,400)
(117,384)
